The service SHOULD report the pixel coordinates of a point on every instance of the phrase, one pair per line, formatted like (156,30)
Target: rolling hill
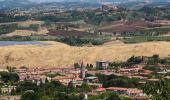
(61,55)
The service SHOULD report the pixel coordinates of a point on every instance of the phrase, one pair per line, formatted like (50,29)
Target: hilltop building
(100,64)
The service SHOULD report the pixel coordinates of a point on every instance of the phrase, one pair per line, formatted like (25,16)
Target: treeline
(8,28)
(33,27)
(66,40)
(56,91)
(9,77)
(133,60)
(50,90)
(140,39)
(11,18)
(118,81)
(95,17)
(80,41)
(146,32)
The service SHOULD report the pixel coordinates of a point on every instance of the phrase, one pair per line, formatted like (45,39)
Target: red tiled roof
(100,89)
(116,88)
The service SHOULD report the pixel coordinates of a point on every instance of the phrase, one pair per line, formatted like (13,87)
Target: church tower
(82,71)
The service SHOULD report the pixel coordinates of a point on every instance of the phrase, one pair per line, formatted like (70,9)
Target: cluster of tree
(152,68)
(88,66)
(147,32)
(70,41)
(9,77)
(117,81)
(52,90)
(33,27)
(96,19)
(7,28)
(141,39)
(133,60)
(80,41)
(106,96)
(98,16)
(158,90)
(11,18)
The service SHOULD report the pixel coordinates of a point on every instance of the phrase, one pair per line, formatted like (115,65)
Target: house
(18,97)
(7,89)
(135,92)
(117,90)
(101,64)
(95,85)
(132,92)
(4,70)
(99,90)
(64,79)
(91,79)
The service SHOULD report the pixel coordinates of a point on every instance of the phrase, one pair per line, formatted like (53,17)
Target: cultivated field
(24,23)
(61,55)
(42,31)
(129,26)
(69,33)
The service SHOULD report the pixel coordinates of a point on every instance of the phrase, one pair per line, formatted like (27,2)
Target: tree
(13,77)
(13,92)
(158,90)
(29,95)
(26,85)
(85,88)
(134,60)
(62,96)
(76,65)
(82,96)
(113,96)
(89,66)
(71,87)
(44,98)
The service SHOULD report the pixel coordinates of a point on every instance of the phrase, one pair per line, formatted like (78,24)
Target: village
(79,75)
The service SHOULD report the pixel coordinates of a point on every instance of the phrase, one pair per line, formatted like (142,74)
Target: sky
(40,0)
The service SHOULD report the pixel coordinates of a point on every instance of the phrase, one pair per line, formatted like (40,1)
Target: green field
(140,39)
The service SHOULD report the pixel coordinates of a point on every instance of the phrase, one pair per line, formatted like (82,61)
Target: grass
(61,55)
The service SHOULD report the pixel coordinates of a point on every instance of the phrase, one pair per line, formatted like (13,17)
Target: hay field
(42,31)
(28,23)
(61,55)
(24,23)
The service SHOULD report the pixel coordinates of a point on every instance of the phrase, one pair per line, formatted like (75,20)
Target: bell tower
(82,70)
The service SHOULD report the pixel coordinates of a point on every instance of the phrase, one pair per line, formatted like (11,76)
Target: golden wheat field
(61,55)
(42,31)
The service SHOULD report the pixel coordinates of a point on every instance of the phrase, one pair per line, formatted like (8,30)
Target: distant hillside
(8,4)
(115,1)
